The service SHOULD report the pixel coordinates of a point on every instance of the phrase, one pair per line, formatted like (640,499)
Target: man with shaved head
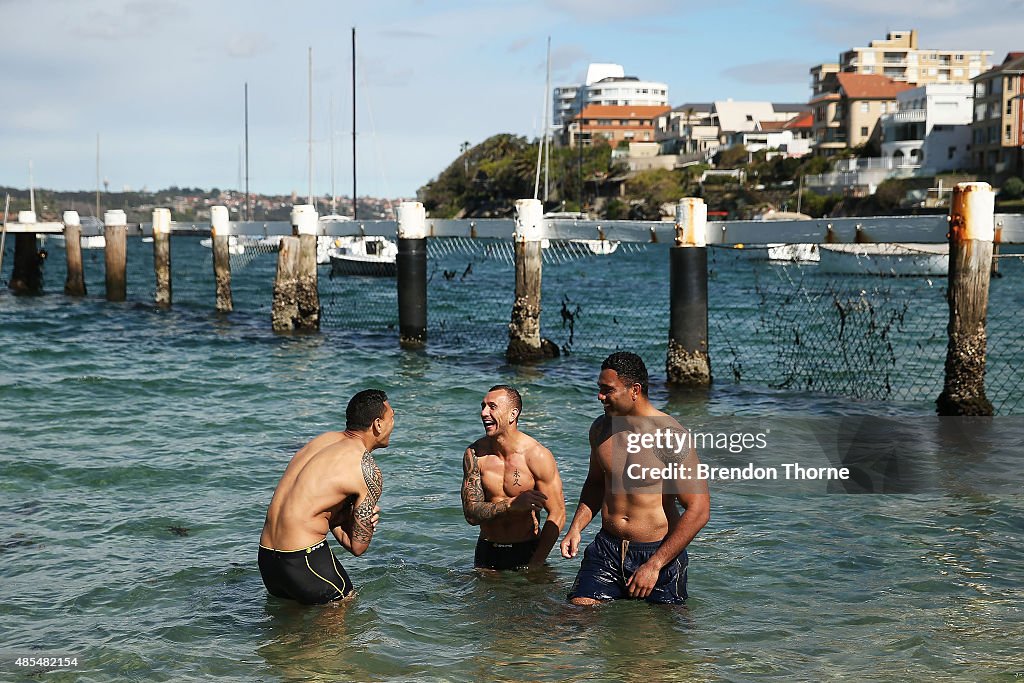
(508,478)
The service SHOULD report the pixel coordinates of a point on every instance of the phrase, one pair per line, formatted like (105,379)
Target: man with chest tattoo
(331,484)
(508,478)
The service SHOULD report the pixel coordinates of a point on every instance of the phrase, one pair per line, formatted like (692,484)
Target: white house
(931,128)
(606,84)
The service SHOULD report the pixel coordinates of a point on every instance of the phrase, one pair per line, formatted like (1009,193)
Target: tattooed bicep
(363,527)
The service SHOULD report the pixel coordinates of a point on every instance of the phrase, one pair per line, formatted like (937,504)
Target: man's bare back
(332,484)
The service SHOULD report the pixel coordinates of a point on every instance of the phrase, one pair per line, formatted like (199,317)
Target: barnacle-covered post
(971,232)
(687,362)
(220,234)
(412,275)
(162,256)
(524,340)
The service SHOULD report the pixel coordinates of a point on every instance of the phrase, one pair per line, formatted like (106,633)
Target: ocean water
(141,447)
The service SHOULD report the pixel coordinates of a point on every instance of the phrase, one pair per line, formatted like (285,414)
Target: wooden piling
(687,362)
(971,233)
(27,273)
(162,256)
(305,223)
(285,310)
(220,233)
(74,283)
(296,299)
(115,254)
(524,340)
(412,275)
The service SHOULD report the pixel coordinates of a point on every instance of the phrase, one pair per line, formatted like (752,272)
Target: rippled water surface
(141,447)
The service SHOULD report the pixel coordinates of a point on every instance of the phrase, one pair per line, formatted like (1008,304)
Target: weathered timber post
(27,274)
(412,275)
(305,222)
(296,300)
(971,231)
(220,234)
(524,340)
(285,309)
(115,254)
(162,256)
(687,362)
(74,283)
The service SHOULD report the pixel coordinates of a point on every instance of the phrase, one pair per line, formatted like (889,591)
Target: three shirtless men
(332,484)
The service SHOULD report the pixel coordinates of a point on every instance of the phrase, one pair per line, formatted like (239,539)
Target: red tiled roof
(772,125)
(870,86)
(621,111)
(805,120)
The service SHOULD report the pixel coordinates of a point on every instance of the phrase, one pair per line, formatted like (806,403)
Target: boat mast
(330,126)
(355,201)
(31,190)
(311,125)
(547,123)
(248,210)
(97,175)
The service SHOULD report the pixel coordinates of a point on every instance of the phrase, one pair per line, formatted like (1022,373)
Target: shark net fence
(866,334)
(783,324)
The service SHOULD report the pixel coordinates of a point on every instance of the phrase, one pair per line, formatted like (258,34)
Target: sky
(161,82)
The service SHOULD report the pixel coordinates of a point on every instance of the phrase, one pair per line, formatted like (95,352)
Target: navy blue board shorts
(311,576)
(608,562)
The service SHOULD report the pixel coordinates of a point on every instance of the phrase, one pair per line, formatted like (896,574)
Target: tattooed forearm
(474,501)
(362,527)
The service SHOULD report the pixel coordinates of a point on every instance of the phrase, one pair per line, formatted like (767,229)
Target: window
(1009,133)
(1009,106)
(750,117)
(865,107)
(951,152)
(864,131)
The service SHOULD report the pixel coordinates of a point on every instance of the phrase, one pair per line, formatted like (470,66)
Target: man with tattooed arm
(508,478)
(331,484)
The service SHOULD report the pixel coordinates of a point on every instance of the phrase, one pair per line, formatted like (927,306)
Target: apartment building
(606,85)
(931,128)
(998,121)
(704,128)
(614,123)
(898,57)
(846,113)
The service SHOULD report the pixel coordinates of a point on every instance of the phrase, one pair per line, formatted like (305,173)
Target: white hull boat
(599,247)
(887,260)
(794,253)
(373,255)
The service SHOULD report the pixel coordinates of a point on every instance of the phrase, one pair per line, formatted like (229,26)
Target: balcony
(907,116)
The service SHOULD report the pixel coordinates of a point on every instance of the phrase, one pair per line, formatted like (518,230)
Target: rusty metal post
(74,283)
(687,363)
(971,233)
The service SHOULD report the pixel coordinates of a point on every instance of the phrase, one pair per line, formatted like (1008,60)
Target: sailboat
(360,255)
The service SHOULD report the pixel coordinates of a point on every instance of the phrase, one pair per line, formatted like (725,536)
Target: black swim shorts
(311,576)
(608,562)
(491,555)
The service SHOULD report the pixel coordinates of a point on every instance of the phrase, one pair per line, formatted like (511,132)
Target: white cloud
(772,71)
(249,44)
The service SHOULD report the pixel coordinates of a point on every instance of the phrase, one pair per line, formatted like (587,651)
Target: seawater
(141,447)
